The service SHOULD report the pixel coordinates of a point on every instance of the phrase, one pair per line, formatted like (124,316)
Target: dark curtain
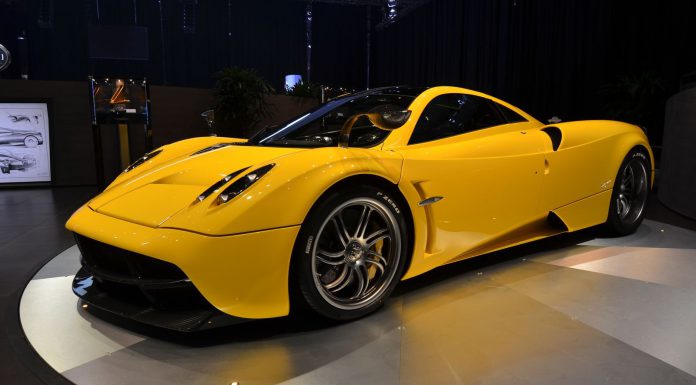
(268,36)
(339,45)
(548,57)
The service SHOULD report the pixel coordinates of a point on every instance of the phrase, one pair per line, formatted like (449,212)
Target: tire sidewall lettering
(388,201)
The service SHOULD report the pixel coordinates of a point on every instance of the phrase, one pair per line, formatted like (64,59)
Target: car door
(486,168)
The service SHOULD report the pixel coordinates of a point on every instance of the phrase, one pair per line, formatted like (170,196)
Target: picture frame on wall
(25,143)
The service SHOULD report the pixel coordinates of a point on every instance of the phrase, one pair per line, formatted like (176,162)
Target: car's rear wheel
(630,194)
(31,141)
(351,253)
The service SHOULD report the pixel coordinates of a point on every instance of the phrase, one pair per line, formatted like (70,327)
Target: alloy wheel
(633,191)
(356,253)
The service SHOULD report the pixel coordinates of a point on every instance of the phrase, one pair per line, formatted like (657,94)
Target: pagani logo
(5,57)
(118,97)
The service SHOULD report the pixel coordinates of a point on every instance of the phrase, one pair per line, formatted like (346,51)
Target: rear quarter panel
(588,159)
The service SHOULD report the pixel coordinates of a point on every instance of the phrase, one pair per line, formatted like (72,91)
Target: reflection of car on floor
(10,162)
(28,138)
(329,211)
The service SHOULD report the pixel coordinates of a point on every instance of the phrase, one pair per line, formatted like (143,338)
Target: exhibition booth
(347,191)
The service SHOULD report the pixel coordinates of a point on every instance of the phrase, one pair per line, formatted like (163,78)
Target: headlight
(243,183)
(142,160)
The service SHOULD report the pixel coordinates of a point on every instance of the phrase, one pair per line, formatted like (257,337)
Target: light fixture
(392,11)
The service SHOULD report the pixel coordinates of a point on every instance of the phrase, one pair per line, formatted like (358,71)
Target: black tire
(31,141)
(5,170)
(630,194)
(347,276)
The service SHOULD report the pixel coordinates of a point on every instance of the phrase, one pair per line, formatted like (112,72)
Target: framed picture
(25,148)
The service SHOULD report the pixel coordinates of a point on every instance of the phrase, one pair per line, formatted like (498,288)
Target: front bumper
(138,304)
(243,275)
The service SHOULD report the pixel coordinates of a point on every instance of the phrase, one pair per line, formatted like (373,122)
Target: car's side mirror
(385,117)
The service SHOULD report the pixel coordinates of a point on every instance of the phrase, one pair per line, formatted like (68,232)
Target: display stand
(124,103)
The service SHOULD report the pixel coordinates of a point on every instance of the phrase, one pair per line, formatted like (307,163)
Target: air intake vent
(555,134)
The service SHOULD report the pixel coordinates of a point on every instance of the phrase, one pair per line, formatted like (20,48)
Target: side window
(454,114)
(510,115)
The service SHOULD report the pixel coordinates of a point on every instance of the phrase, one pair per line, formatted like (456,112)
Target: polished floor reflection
(571,310)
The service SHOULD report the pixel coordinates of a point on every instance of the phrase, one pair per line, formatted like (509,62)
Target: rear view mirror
(388,117)
(385,117)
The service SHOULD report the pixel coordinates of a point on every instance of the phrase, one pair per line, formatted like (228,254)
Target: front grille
(138,279)
(110,260)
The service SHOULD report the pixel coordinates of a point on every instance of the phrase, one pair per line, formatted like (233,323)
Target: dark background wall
(549,57)
(577,59)
(268,36)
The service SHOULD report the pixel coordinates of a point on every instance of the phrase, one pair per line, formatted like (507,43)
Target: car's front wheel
(350,253)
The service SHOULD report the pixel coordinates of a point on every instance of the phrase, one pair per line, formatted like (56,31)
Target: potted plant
(636,98)
(240,100)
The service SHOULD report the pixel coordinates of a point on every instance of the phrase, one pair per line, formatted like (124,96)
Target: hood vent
(214,147)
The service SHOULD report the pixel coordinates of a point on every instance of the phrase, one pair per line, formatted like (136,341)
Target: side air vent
(556,222)
(555,134)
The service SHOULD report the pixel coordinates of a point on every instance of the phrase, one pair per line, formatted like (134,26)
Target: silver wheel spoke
(329,254)
(347,279)
(380,258)
(641,187)
(378,255)
(340,230)
(377,264)
(343,225)
(363,280)
(376,237)
(330,262)
(337,281)
(363,222)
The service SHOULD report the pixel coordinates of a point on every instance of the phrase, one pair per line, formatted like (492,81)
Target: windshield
(320,127)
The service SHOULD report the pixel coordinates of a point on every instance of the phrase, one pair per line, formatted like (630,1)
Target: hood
(150,197)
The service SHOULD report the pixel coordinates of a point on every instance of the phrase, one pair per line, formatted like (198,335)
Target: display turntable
(574,309)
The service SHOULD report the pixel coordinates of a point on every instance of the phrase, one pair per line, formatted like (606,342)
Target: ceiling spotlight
(391,11)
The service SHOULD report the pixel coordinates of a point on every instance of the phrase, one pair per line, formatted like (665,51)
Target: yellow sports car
(330,210)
